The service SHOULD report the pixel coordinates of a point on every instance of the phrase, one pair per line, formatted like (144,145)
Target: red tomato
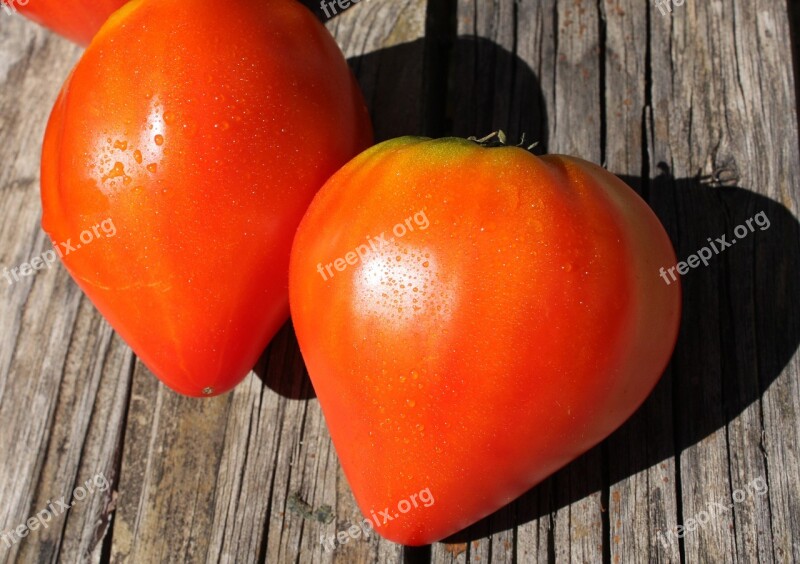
(77,20)
(473,319)
(204,143)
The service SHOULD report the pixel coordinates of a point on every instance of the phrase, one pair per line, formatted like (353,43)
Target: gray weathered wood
(247,477)
(64,376)
(642,488)
(723,97)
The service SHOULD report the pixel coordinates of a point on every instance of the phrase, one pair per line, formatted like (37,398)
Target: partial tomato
(201,133)
(473,319)
(77,20)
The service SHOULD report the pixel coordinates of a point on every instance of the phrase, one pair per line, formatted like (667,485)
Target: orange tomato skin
(77,20)
(475,356)
(204,142)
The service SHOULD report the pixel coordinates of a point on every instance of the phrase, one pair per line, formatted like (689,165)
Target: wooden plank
(229,479)
(84,444)
(642,497)
(576,117)
(64,376)
(384,42)
(722,97)
(765,439)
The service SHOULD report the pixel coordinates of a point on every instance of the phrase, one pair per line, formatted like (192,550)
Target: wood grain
(664,101)
(64,376)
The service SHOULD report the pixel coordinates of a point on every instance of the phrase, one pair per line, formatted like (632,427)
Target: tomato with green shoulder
(503,315)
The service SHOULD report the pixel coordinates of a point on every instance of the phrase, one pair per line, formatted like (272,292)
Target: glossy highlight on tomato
(204,142)
(476,356)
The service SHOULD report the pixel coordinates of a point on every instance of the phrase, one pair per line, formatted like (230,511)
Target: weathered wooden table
(696,109)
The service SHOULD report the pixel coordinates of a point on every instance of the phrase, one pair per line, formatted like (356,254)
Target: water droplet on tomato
(190,128)
(117,171)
